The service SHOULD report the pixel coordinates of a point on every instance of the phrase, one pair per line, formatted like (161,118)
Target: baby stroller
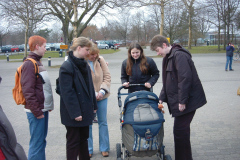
(141,126)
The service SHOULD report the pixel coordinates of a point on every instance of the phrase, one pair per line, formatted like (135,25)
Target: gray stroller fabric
(144,112)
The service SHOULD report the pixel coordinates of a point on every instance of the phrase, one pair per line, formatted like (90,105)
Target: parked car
(14,49)
(110,45)
(48,46)
(102,45)
(57,46)
(116,45)
(6,49)
(52,46)
(21,48)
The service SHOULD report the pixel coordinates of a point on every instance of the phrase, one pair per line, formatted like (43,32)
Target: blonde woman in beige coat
(101,80)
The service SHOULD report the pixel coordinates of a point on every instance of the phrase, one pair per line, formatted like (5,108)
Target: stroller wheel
(118,149)
(167,157)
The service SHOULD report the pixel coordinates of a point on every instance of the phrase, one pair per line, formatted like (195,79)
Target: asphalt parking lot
(214,130)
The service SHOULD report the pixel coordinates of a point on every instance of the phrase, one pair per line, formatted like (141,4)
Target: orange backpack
(17,90)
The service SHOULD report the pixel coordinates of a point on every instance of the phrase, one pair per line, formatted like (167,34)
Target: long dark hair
(143,64)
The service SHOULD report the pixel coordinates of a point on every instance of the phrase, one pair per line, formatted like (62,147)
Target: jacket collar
(176,47)
(34,56)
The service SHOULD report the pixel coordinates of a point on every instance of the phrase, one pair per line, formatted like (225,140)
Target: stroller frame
(121,150)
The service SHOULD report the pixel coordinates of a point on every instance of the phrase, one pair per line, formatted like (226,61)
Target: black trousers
(77,143)
(181,132)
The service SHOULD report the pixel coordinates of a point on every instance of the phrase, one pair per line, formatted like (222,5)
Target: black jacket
(77,99)
(181,83)
(137,76)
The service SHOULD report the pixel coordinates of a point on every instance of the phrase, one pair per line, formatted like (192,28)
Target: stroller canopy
(141,111)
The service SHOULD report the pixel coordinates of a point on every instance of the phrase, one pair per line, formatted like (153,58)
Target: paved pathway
(214,130)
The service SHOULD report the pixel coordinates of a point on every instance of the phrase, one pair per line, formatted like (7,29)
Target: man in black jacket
(182,91)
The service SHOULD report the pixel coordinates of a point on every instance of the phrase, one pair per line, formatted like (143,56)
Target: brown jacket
(101,77)
(32,86)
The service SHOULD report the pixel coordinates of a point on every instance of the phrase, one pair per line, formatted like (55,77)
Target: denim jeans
(38,132)
(229,61)
(103,128)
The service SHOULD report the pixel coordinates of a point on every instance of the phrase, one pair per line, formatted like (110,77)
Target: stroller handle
(119,93)
(120,88)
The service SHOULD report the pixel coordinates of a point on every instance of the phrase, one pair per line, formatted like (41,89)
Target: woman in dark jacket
(78,101)
(138,69)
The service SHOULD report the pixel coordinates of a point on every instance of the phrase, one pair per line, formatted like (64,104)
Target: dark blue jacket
(229,51)
(137,76)
(77,99)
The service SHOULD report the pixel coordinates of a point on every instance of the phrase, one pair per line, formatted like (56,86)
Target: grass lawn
(52,54)
(206,49)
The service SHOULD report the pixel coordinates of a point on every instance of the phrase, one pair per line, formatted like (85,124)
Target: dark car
(6,49)
(110,45)
(21,48)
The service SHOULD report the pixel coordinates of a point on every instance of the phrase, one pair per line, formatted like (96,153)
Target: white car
(102,45)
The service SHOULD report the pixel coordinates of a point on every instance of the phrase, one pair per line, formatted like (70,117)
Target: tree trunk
(75,19)
(219,36)
(162,17)
(26,38)
(190,30)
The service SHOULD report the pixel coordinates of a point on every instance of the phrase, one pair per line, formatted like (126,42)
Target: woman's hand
(40,117)
(99,96)
(78,118)
(148,85)
(126,84)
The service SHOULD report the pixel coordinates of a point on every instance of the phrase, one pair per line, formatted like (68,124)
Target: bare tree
(190,8)
(172,21)
(122,25)
(27,12)
(65,10)
(160,3)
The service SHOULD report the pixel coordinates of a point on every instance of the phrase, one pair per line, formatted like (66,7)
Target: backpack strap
(35,65)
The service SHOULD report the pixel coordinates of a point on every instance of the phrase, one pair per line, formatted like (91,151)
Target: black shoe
(231,70)
(225,69)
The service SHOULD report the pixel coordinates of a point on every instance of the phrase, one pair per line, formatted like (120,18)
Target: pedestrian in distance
(182,91)
(101,80)
(39,98)
(229,54)
(138,69)
(77,101)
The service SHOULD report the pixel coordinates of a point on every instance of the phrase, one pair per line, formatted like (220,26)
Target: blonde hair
(80,41)
(94,50)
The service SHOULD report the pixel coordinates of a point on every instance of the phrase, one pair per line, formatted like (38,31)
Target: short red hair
(34,40)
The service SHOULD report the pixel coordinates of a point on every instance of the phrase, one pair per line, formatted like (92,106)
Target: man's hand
(78,118)
(182,107)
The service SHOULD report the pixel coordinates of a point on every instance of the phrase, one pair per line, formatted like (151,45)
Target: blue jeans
(229,61)
(38,132)
(103,128)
